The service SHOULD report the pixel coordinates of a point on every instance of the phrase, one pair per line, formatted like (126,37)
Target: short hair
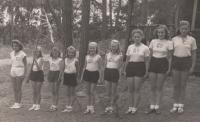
(94,44)
(55,48)
(18,43)
(72,49)
(118,44)
(182,23)
(134,31)
(155,33)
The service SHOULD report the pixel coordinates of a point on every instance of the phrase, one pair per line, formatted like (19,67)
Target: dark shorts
(37,76)
(137,69)
(158,65)
(111,75)
(91,76)
(70,79)
(181,63)
(53,76)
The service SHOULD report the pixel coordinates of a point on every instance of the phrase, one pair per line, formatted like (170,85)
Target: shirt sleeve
(194,45)
(128,52)
(23,54)
(151,44)
(147,52)
(170,45)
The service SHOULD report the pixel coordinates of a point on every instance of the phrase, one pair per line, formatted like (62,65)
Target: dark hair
(51,53)
(40,53)
(20,46)
(155,33)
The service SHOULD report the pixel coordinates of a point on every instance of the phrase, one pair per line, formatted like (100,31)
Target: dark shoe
(150,111)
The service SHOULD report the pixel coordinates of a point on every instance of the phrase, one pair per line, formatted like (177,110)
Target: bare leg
(160,83)
(138,83)
(114,93)
(184,79)
(177,84)
(130,84)
(14,84)
(38,90)
(34,92)
(153,82)
(93,92)
(108,90)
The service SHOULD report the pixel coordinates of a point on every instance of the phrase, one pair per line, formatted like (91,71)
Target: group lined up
(156,61)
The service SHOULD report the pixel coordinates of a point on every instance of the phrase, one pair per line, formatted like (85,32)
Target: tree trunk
(129,23)
(111,14)
(84,33)
(104,17)
(118,13)
(67,22)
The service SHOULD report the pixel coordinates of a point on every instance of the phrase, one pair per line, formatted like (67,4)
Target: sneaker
(180,109)
(32,108)
(129,110)
(174,109)
(16,106)
(134,110)
(109,109)
(37,107)
(67,109)
(87,110)
(150,111)
(157,111)
(53,108)
(92,109)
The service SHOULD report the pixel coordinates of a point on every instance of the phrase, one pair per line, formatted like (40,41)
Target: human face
(71,53)
(184,29)
(114,48)
(36,53)
(137,37)
(16,47)
(92,50)
(55,54)
(161,33)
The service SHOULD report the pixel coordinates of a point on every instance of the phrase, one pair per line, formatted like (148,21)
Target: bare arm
(194,57)
(25,65)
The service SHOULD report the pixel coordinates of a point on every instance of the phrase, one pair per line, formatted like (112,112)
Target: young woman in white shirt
(183,63)
(160,65)
(92,74)
(136,66)
(53,76)
(70,76)
(18,71)
(37,78)
(113,63)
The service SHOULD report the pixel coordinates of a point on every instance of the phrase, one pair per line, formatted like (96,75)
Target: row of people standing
(156,61)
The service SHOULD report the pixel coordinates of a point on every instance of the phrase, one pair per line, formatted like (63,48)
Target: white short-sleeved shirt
(55,64)
(113,60)
(70,65)
(183,46)
(92,62)
(137,53)
(39,60)
(160,47)
(17,59)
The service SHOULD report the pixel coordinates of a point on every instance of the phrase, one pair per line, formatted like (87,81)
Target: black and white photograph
(99,61)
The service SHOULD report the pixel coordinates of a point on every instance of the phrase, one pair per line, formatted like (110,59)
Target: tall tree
(110,14)
(118,13)
(67,22)
(84,32)
(104,17)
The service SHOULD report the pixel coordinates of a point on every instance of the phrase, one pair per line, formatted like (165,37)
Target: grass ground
(192,109)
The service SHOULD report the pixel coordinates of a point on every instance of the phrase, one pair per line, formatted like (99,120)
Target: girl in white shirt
(53,75)
(70,76)
(91,74)
(136,68)
(37,78)
(113,63)
(160,65)
(18,71)
(184,61)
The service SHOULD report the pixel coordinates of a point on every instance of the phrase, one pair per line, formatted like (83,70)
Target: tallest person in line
(183,64)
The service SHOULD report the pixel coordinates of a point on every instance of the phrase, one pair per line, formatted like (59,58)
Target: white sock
(152,106)
(156,106)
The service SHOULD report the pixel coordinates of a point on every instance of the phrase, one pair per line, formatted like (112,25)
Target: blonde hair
(71,48)
(93,44)
(155,33)
(115,42)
